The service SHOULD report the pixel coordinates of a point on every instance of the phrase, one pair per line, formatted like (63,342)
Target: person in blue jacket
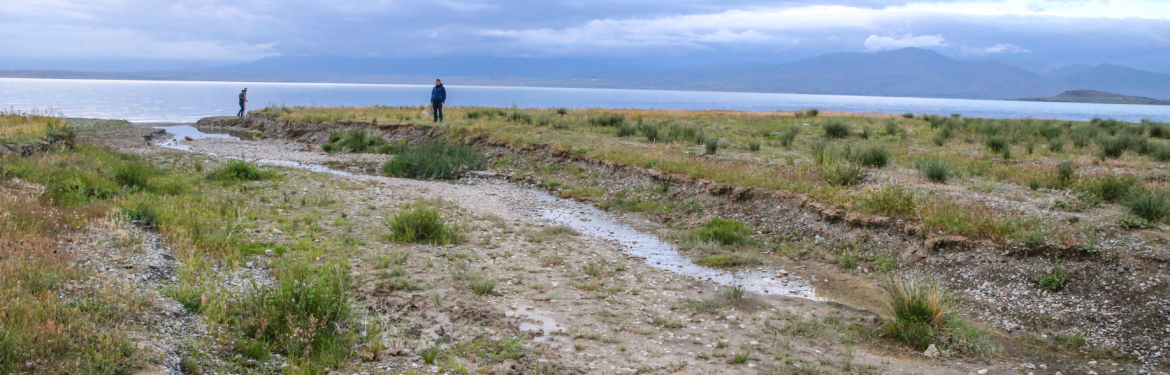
(243,99)
(438,97)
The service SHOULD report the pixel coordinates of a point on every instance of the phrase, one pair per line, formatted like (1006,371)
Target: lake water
(189,101)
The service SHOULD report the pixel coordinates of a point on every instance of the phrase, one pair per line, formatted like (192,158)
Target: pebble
(981,371)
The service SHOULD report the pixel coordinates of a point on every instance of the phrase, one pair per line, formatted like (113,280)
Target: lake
(178,101)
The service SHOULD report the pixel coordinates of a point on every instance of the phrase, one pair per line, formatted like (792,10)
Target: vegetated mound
(1094,96)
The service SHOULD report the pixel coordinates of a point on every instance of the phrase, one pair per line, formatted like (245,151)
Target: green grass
(723,231)
(924,315)
(422,223)
(19,127)
(1110,188)
(437,160)
(240,170)
(1152,205)
(354,140)
(935,170)
(836,129)
(891,201)
(482,285)
(876,157)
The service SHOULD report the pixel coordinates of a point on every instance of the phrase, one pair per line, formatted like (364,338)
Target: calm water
(189,101)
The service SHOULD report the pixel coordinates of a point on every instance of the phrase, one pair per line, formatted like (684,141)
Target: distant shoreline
(1097,97)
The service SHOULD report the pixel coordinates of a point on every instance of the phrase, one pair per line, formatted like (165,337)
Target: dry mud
(633,317)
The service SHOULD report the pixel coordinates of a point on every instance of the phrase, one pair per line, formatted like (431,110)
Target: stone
(1028,366)
(981,371)
(931,351)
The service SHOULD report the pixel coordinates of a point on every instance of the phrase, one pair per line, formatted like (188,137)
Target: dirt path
(578,302)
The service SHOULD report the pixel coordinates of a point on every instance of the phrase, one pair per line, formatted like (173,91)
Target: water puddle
(592,221)
(183,133)
(537,322)
(311,167)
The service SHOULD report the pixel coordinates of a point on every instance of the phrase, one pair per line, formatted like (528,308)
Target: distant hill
(909,72)
(1093,96)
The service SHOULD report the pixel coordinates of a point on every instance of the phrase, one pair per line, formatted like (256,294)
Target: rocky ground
(581,304)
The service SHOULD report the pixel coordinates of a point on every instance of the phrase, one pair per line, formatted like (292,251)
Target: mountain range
(909,72)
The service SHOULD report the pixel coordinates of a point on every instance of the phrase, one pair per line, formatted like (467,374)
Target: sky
(139,34)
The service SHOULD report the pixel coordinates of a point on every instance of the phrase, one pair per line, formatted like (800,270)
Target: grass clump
(875,157)
(723,231)
(422,223)
(436,160)
(240,170)
(836,129)
(607,119)
(935,170)
(482,285)
(355,140)
(711,145)
(923,315)
(1110,188)
(729,260)
(892,200)
(1055,279)
(842,173)
(1151,205)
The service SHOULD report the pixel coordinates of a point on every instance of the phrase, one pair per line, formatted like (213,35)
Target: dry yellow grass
(20,128)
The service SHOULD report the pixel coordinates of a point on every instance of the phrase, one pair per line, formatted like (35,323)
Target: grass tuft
(1055,279)
(836,129)
(240,170)
(422,223)
(935,170)
(436,160)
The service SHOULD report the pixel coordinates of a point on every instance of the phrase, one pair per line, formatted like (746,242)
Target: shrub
(876,157)
(753,146)
(141,213)
(726,232)
(740,358)
(543,120)
(626,130)
(239,170)
(562,111)
(1055,145)
(1150,205)
(939,140)
(1065,172)
(836,129)
(436,160)
(421,223)
(1054,280)
(711,145)
(908,115)
(812,112)
(1113,147)
(935,170)
(429,355)
(787,136)
(1160,153)
(1110,188)
(650,131)
(607,119)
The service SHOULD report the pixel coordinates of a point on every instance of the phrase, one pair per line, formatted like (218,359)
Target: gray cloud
(700,31)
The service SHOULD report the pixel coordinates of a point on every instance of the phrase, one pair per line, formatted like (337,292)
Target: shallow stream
(587,220)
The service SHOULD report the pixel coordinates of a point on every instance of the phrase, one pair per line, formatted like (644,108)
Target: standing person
(243,99)
(438,97)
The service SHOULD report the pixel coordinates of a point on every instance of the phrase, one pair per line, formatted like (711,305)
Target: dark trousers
(438,111)
(241,114)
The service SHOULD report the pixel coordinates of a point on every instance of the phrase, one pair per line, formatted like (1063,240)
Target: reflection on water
(540,323)
(592,221)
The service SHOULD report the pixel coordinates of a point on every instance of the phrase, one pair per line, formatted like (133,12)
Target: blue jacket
(438,94)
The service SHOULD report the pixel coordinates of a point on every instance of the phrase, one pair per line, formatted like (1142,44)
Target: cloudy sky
(130,33)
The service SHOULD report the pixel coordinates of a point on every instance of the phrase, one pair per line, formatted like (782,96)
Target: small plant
(1065,173)
(935,170)
(711,145)
(1055,145)
(1110,188)
(787,136)
(1134,222)
(812,112)
(727,260)
(908,115)
(836,129)
(892,200)
(1055,279)
(626,130)
(939,140)
(919,307)
(482,286)
(725,232)
(1113,147)
(430,354)
(740,358)
(562,111)
(421,223)
(753,146)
